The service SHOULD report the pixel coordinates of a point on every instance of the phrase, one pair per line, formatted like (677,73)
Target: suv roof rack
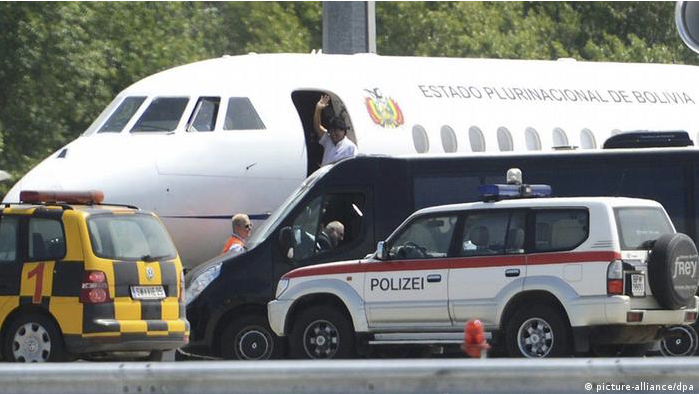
(648,139)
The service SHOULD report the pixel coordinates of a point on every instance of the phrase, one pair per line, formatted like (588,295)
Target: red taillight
(615,278)
(615,286)
(94,289)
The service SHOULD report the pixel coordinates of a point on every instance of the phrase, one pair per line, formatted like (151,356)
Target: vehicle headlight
(281,286)
(200,282)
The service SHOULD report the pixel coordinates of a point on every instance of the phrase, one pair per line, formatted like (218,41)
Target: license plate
(638,285)
(147,292)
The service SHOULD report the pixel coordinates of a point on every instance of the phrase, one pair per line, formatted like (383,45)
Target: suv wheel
(536,333)
(249,338)
(682,342)
(673,287)
(322,333)
(34,338)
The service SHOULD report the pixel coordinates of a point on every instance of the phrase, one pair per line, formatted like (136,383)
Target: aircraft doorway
(305,102)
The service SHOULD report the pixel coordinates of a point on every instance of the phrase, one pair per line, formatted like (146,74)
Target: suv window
(560,229)
(8,238)
(488,233)
(129,237)
(46,239)
(424,238)
(638,225)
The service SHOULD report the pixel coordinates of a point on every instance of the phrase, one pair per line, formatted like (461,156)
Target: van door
(333,226)
(305,102)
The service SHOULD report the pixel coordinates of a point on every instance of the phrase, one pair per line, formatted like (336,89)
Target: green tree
(61,63)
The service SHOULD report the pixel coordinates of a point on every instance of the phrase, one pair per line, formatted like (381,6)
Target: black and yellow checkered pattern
(122,323)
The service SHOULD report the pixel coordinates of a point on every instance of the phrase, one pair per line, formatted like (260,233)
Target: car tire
(684,343)
(250,338)
(673,290)
(34,338)
(537,332)
(322,332)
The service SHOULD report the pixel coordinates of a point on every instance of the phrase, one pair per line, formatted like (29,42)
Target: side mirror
(381,253)
(285,242)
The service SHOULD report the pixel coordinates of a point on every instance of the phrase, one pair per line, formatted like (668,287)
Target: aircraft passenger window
(8,238)
(559,137)
(475,137)
(204,115)
(449,142)
(420,139)
(504,139)
(532,138)
(163,114)
(241,115)
(122,115)
(587,139)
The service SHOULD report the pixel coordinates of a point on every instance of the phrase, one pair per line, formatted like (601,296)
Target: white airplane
(200,142)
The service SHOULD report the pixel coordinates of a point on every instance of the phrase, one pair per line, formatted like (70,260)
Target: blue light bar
(500,192)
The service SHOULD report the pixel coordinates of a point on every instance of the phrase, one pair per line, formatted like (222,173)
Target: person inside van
(242,227)
(334,139)
(331,236)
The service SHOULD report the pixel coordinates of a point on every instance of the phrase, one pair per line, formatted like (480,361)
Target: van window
(46,240)
(638,225)
(560,229)
(9,227)
(163,114)
(129,237)
(122,115)
(241,115)
(424,238)
(491,233)
(327,223)
(203,117)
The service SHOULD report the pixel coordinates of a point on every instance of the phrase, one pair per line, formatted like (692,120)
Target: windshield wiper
(147,257)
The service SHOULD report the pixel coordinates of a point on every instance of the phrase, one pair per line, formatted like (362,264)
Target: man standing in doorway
(334,139)
(242,227)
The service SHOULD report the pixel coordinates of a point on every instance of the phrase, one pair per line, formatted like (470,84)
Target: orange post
(474,339)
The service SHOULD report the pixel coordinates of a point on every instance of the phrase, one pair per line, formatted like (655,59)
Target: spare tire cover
(672,270)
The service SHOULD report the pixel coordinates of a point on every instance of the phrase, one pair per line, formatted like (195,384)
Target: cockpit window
(122,115)
(241,115)
(203,117)
(163,114)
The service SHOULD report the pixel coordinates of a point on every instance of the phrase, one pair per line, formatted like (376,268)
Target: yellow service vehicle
(78,278)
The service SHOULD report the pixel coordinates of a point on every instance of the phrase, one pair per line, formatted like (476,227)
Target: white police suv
(547,277)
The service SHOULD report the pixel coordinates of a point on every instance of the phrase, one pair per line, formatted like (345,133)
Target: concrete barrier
(358,376)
